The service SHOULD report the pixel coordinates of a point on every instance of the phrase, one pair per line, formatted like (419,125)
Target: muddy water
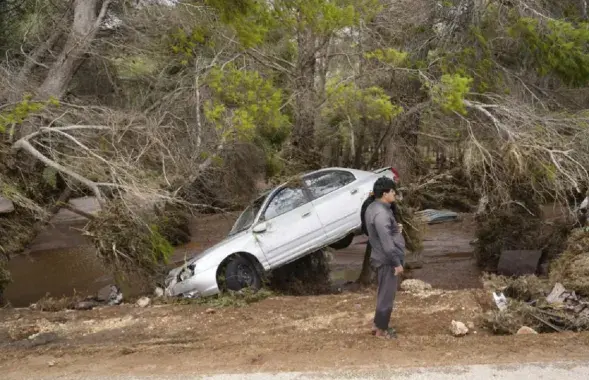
(61,262)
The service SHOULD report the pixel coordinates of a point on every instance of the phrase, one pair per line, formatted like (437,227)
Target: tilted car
(295,219)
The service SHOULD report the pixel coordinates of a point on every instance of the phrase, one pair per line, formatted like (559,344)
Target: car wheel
(240,273)
(343,243)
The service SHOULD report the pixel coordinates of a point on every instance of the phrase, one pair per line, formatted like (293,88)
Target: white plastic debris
(500,300)
(158,292)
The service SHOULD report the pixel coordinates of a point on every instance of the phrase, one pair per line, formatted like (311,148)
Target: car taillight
(395,174)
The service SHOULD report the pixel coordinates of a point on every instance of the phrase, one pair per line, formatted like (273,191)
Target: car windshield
(246,219)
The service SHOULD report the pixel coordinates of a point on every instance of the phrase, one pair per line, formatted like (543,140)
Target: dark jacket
(365,205)
(387,242)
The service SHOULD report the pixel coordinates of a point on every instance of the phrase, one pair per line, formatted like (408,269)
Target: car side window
(287,199)
(323,183)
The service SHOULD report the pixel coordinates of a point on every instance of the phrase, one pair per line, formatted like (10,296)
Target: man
(388,252)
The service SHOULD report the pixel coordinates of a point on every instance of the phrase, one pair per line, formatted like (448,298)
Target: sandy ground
(315,333)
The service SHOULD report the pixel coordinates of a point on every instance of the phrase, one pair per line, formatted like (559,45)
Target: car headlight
(186,273)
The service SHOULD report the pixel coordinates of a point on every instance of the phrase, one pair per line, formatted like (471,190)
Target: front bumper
(201,284)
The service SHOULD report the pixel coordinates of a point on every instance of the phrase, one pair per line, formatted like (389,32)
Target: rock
(525,330)
(210,311)
(143,302)
(458,328)
(158,292)
(51,363)
(470,325)
(415,286)
(110,294)
(6,206)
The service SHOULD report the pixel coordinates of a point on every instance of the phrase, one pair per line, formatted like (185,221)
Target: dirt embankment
(281,333)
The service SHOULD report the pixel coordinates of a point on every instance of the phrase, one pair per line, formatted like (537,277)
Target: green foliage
(451,91)
(245,105)
(253,20)
(16,115)
(186,45)
(557,47)
(389,56)
(161,248)
(348,102)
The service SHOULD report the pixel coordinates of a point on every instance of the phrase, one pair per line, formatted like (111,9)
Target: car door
(292,226)
(336,199)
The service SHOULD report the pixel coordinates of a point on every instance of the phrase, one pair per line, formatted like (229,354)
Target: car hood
(233,243)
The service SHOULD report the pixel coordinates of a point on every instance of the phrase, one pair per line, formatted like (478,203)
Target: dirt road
(276,334)
(553,371)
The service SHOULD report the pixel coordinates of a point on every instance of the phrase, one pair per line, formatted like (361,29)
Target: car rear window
(323,183)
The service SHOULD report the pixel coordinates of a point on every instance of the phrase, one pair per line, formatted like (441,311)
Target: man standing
(388,252)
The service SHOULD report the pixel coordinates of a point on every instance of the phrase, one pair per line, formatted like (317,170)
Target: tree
(293,39)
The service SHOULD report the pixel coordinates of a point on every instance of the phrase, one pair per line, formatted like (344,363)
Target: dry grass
(572,267)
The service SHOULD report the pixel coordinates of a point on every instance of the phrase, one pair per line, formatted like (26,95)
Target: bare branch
(25,145)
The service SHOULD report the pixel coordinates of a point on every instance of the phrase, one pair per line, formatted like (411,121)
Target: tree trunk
(365,276)
(303,140)
(88,16)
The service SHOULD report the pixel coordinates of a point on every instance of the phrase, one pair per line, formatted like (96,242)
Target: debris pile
(514,228)
(571,268)
(530,302)
(109,295)
(130,245)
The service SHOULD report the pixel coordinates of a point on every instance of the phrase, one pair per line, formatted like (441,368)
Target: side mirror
(259,228)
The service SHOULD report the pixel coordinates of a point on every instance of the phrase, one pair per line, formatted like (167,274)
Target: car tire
(343,243)
(241,273)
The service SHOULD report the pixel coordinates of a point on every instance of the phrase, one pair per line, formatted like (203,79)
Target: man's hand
(398,270)
(400,228)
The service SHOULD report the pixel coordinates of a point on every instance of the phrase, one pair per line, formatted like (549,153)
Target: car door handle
(306,214)
(354,191)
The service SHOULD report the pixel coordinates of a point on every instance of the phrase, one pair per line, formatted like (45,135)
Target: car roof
(301,175)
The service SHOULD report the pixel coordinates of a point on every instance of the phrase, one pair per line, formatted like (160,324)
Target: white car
(282,225)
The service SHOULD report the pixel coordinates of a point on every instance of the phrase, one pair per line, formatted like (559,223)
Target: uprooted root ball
(448,190)
(130,245)
(509,228)
(308,275)
(572,267)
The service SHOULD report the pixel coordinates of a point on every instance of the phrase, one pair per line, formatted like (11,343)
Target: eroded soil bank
(281,333)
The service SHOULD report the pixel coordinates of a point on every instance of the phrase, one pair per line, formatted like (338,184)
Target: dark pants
(385,296)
